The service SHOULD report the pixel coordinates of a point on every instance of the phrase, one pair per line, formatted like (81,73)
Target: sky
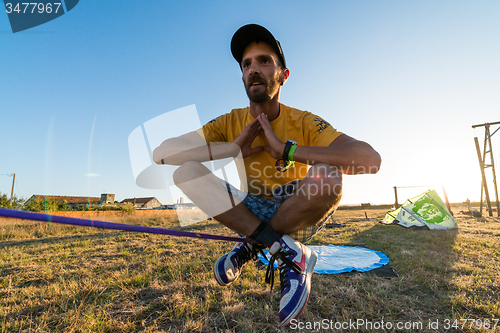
(408,77)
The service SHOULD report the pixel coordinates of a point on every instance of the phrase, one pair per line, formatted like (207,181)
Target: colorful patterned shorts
(265,209)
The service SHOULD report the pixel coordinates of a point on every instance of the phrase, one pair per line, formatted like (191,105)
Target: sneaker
(228,268)
(296,264)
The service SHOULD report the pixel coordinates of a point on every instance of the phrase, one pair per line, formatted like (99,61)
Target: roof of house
(68,199)
(138,200)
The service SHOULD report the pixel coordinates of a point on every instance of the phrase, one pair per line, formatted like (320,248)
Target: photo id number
(33,7)
(487,324)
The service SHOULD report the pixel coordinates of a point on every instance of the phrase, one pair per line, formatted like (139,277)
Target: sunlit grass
(58,278)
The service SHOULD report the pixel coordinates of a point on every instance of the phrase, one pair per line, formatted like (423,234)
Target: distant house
(107,199)
(150,202)
(183,205)
(73,202)
(180,205)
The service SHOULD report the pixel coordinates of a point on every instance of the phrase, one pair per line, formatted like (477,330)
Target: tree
(37,205)
(5,201)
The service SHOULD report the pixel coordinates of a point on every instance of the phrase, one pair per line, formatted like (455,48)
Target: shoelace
(285,263)
(249,252)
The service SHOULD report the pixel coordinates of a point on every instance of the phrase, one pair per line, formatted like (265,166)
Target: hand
(275,147)
(246,138)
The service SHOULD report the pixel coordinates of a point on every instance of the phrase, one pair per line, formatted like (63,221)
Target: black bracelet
(286,151)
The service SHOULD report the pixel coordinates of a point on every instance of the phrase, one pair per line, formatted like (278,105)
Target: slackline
(117,226)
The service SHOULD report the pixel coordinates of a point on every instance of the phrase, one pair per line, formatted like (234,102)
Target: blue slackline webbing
(117,226)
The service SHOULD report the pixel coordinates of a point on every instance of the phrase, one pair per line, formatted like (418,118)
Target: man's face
(262,74)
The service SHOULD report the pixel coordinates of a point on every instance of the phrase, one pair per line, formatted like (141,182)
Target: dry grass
(56,278)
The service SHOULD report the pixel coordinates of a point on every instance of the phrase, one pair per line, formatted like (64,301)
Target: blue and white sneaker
(296,264)
(228,268)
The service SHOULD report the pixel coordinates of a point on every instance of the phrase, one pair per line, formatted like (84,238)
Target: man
(294,161)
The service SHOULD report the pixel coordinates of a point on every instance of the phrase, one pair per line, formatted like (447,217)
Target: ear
(285,74)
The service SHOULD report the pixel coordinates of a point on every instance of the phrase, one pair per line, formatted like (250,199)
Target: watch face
(292,142)
(282,165)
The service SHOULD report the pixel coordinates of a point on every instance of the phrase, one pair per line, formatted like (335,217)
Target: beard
(271,87)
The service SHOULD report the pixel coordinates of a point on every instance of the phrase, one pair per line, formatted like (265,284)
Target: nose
(254,69)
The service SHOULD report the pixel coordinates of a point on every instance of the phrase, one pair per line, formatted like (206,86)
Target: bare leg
(208,193)
(317,195)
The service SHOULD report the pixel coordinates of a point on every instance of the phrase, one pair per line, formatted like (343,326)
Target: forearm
(349,155)
(173,152)
(351,158)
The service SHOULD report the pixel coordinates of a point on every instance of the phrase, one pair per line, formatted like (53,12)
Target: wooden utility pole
(446,200)
(396,205)
(12,191)
(488,149)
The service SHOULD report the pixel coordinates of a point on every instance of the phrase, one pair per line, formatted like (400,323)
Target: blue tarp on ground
(333,259)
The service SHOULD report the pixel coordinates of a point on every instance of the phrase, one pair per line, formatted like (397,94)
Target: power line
(417,186)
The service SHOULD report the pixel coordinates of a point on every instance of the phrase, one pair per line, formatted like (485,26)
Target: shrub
(5,201)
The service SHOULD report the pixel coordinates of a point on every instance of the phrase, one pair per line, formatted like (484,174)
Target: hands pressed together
(252,130)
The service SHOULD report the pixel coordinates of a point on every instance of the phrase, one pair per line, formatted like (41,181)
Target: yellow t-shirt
(305,128)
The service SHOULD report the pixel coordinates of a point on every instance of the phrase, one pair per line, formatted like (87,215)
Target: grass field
(56,278)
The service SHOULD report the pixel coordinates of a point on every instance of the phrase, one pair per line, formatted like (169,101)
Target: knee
(325,181)
(188,171)
(324,172)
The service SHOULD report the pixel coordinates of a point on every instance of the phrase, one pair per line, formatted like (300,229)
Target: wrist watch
(286,151)
(287,159)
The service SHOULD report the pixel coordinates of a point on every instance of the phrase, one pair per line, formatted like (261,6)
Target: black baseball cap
(250,33)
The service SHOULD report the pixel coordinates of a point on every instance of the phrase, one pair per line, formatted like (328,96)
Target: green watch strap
(290,154)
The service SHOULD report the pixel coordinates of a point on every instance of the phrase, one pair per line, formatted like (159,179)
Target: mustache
(255,78)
